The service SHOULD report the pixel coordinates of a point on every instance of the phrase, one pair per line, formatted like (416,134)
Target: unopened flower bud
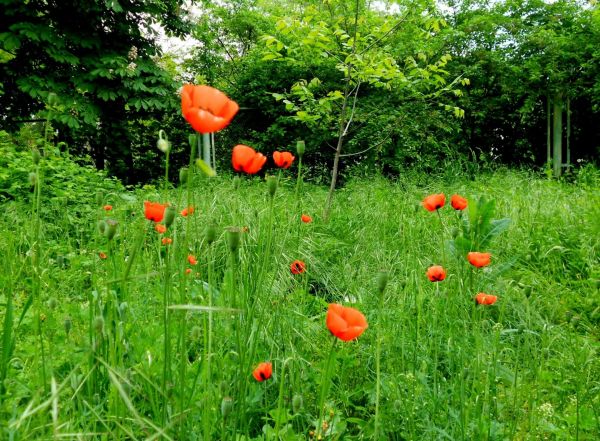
(195,333)
(111,228)
(300,148)
(236,182)
(382,280)
(211,234)
(52,303)
(98,324)
(183,175)
(99,197)
(68,325)
(454,233)
(169,216)
(297,403)
(271,185)
(101,225)
(233,238)
(226,406)
(163,143)
(123,308)
(32,178)
(36,156)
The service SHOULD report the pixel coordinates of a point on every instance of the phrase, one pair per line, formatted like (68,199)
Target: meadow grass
(143,344)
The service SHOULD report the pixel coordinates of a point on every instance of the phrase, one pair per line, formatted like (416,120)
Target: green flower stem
(325,384)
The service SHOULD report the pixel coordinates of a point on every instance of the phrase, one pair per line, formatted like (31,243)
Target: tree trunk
(568,133)
(548,131)
(557,135)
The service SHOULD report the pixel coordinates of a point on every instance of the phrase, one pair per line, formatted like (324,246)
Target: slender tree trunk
(557,135)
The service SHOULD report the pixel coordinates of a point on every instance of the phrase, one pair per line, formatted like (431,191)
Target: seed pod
(211,234)
(300,148)
(382,280)
(52,99)
(271,185)
(111,228)
(233,238)
(226,406)
(169,216)
(32,178)
(183,175)
(297,403)
(101,225)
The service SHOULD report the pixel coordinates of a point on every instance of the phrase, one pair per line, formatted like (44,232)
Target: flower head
(485,299)
(436,273)
(167,241)
(207,109)
(345,323)
(102,255)
(479,259)
(458,202)
(154,211)
(246,159)
(263,371)
(306,218)
(192,260)
(160,228)
(297,267)
(434,202)
(186,211)
(107,207)
(283,159)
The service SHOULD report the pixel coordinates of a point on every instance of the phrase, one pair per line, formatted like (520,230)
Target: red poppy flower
(306,218)
(246,159)
(192,260)
(297,267)
(102,255)
(188,271)
(436,273)
(186,211)
(167,241)
(154,211)
(263,371)
(160,228)
(479,259)
(107,207)
(345,323)
(458,202)
(434,202)
(207,109)
(283,159)
(485,299)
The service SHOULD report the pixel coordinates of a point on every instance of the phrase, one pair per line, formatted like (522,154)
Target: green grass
(524,368)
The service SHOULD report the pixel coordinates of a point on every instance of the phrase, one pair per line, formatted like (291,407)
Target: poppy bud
(163,143)
(99,197)
(169,216)
(382,280)
(223,387)
(52,303)
(236,182)
(52,99)
(101,226)
(32,179)
(211,234)
(99,324)
(300,148)
(67,324)
(196,333)
(226,406)
(123,308)
(111,228)
(36,156)
(233,238)
(271,185)
(297,403)
(454,233)
(183,175)
(61,261)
